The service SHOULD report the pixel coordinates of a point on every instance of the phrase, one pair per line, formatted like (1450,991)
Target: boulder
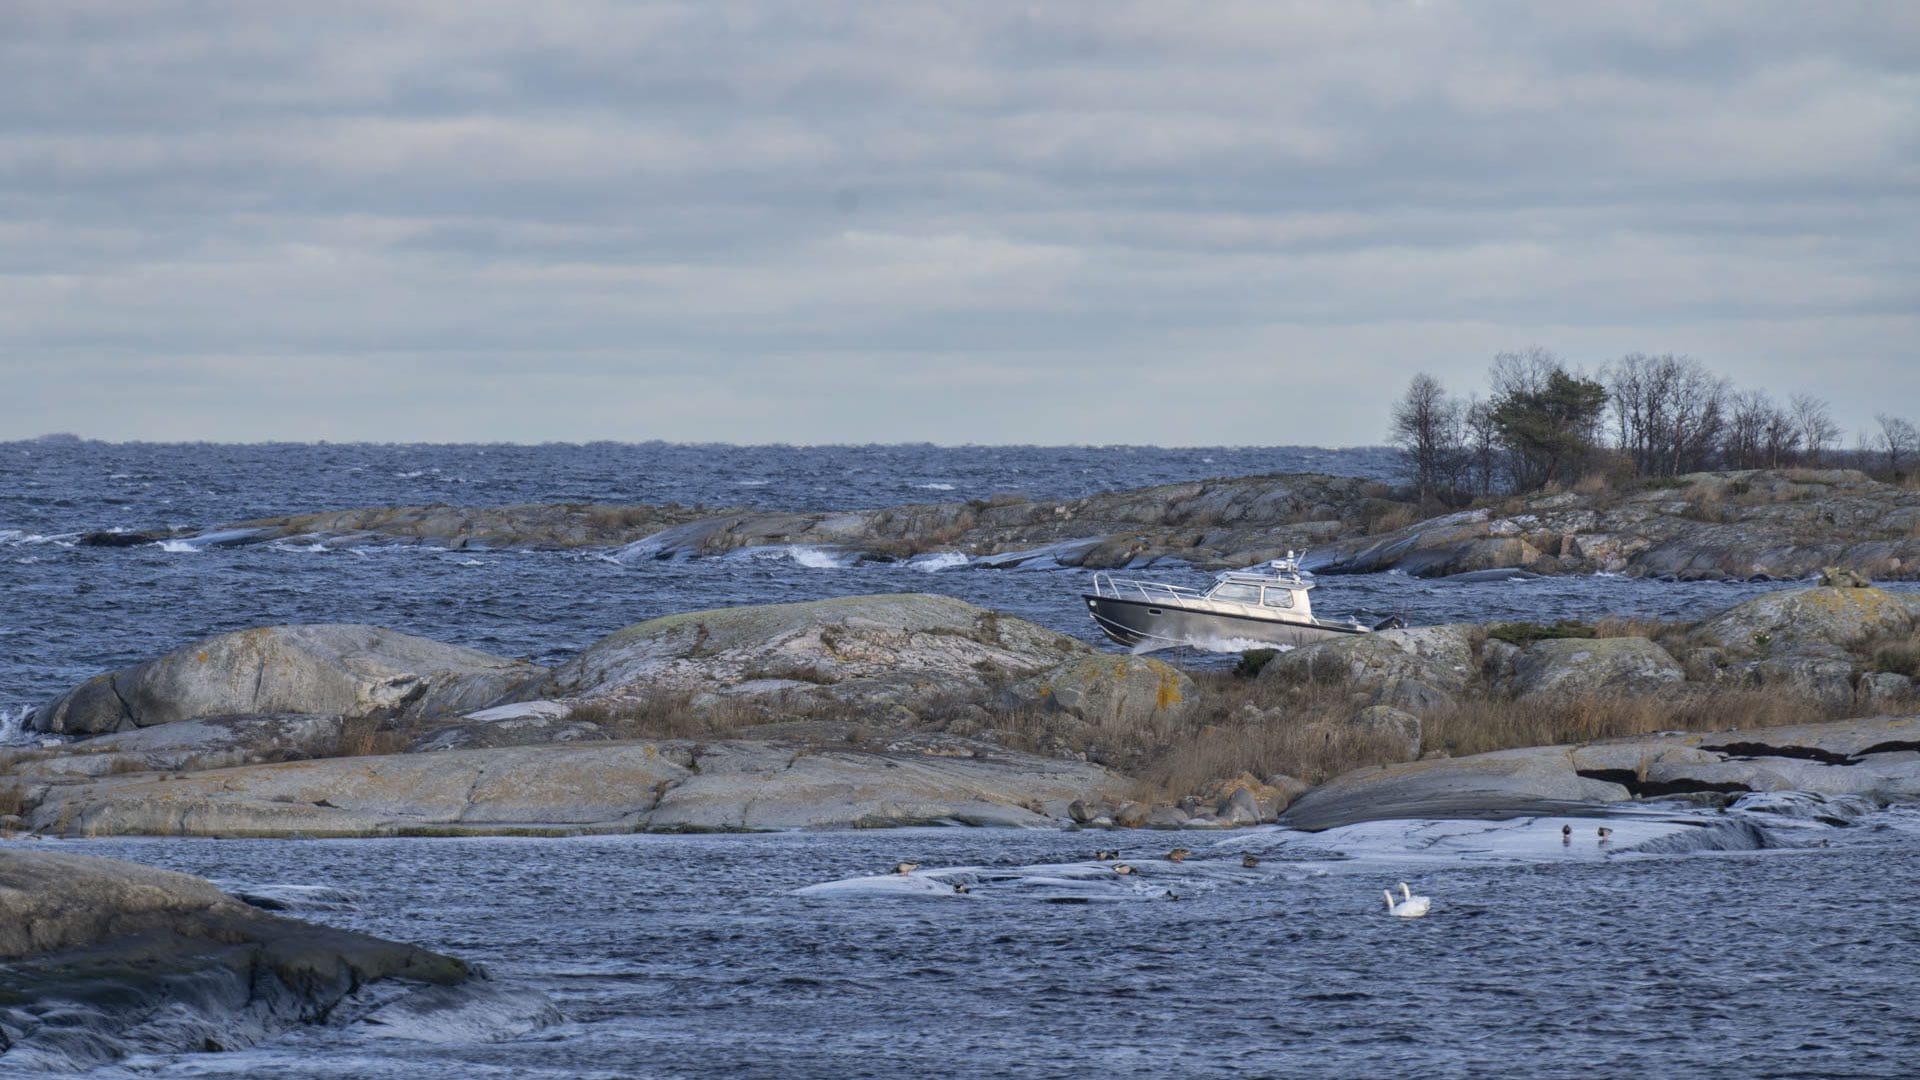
(1881,690)
(1414,668)
(1782,623)
(1825,679)
(106,958)
(339,670)
(1840,577)
(935,644)
(1109,691)
(1398,728)
(1569,667)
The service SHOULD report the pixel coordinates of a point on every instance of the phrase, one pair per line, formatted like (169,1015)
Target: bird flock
(1408,906)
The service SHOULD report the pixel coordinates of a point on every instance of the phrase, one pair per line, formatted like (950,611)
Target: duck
(1105,855)
(905,867)
(1566,834)
(1605,834)
(1249,860)
(961,888)
(1411,907)
(1122,868)
(1178,854)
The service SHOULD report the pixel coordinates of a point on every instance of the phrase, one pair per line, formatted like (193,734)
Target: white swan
(1412,907)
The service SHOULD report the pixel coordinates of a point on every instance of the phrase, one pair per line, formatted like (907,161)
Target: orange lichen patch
(201,656)
(1168,694)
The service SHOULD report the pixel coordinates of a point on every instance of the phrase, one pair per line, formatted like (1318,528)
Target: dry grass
(1386,517)
(1475,727)
(618,518)
(667,714)
(14,801)
(367,737)
(1897,657)
(1628,626)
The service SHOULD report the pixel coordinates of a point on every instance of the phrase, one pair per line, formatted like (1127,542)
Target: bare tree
(1426,428)
(1668,412)
(1818,432)
(1897,439)
(1482,438)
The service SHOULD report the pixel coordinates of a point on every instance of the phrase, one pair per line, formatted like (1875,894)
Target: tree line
(1543,423)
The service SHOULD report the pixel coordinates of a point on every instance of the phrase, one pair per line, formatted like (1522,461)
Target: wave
(180,547)
(23,538)
(13,726)
(934,562)
(934,487)
(807,555)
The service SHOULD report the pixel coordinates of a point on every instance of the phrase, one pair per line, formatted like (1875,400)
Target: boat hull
(1164,625)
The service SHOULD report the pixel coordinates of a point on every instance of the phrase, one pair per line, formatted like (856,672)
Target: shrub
(1524,634)
(1252,661)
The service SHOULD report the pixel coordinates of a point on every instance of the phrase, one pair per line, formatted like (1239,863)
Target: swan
(1412,907)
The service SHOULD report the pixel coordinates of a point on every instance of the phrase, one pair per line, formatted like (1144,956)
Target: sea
(1784,947)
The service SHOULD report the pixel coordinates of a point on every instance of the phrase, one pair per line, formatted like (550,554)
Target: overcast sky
(1174,223)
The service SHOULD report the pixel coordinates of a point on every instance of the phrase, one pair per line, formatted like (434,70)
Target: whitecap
(934,487)
(472,562)
(751,483)
(13,726)
(180,547)
(410,475)
(934,562)
(814,558)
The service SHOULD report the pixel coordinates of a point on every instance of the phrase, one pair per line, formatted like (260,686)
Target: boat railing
(1108,587)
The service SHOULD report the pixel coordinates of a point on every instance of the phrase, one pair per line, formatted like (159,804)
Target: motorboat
(1266,604)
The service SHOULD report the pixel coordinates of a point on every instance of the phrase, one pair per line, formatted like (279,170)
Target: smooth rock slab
(599,787)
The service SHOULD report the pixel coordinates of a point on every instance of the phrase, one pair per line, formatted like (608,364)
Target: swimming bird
(1178,854)
(1122,868)
(1566,834)
(905,867)
(1412,907)
(1605,834)
(1249,860)
(1105,855)
(961,887)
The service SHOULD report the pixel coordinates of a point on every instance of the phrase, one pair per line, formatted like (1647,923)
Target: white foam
(815,558)
(13,727)
(934,562)
(934,487)
(751,483)
(180,547)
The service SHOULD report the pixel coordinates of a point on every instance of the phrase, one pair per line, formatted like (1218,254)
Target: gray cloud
(1239,223)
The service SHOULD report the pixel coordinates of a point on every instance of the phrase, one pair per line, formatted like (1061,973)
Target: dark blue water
(691,956)
(68,612)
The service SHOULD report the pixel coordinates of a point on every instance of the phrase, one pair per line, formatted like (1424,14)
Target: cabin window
(1279,598)
(1245,594)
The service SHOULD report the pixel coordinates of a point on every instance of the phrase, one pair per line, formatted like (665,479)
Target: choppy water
(68,612)
(686,956)
(693,956)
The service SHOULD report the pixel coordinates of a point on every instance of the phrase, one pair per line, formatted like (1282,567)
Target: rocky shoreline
(914,709)
(100,959)
(1784,524)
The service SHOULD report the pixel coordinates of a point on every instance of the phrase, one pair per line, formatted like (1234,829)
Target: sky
(1170,223)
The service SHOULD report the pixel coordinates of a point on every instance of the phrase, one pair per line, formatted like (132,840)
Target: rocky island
(1778,523)
(916,709)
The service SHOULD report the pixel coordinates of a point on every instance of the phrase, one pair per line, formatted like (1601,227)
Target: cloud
(998,223)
